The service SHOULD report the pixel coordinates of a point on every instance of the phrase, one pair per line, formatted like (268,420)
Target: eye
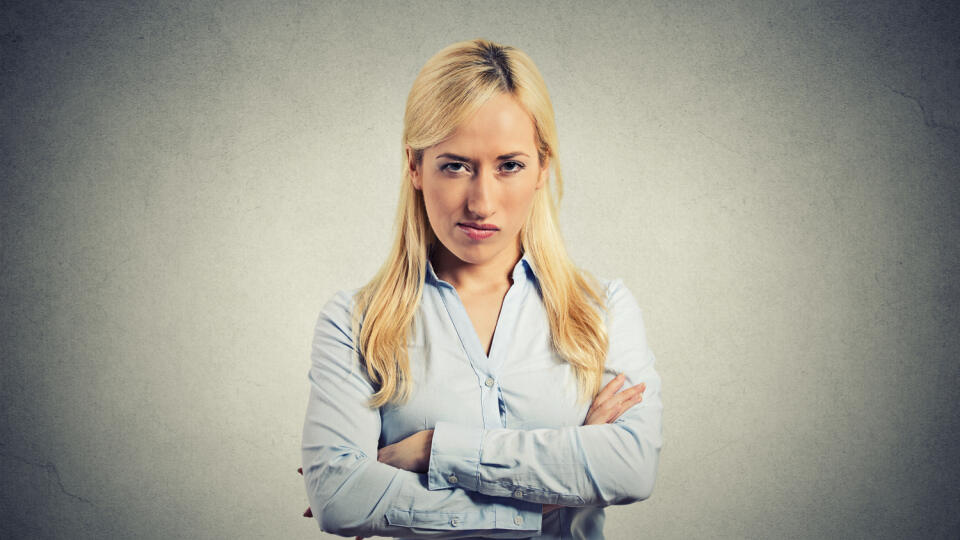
(517,164)
(445,166)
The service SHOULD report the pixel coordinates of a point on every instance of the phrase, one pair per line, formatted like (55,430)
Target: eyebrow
(468,160)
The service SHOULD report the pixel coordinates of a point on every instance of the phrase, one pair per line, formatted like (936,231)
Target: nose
(480,198)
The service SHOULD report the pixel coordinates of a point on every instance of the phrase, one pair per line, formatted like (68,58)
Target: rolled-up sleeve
(593,465)
(349,491)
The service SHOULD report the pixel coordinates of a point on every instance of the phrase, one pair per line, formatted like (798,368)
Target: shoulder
(341,301)
(336,314)
(334,354)
(623,313)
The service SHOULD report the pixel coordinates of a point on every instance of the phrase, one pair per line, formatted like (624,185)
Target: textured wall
(184,186)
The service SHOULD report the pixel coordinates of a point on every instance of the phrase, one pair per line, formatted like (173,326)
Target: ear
(415,176)
(544,174)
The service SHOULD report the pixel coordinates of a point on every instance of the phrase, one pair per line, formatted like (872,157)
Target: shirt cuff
(455,457)
(523,517)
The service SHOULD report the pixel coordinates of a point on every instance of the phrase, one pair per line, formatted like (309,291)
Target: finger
(613,406)
(634,397)
(608,390)
(630,401)
(611,387)
(621,402)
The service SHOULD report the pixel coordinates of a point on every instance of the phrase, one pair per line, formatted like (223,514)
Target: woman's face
(484,175)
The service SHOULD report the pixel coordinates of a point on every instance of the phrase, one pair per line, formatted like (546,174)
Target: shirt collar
(522,271)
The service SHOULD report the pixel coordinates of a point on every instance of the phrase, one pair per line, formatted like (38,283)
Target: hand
(411,454)
(607,407)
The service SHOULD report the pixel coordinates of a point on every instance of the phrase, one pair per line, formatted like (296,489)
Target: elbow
(645,474)
(326,476)
(637,485)
(640,476)
(642,468)
(645,482)
(344,519)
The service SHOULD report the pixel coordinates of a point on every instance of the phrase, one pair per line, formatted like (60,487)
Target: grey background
(185,185)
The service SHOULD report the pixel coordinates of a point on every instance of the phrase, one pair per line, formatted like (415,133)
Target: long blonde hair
(451,86)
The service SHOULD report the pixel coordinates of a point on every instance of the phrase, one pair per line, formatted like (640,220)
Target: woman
(472,363)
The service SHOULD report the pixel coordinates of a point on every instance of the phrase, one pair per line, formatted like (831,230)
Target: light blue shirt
(507,429)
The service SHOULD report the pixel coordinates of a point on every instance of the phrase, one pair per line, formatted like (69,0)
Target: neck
(475,278)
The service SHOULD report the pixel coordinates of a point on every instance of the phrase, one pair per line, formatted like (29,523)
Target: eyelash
(519,166)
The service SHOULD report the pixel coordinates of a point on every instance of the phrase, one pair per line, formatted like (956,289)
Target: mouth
(477,232)
(480,226)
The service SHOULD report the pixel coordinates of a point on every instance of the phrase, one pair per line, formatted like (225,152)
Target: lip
(481,226)
(476,233)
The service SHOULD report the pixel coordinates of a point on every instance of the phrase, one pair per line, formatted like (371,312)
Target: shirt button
(518,520)
(455,521)
(518,494)
(489,381)
(452,478)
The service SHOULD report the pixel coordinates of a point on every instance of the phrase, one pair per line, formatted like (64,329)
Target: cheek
(440,201)
(520,202)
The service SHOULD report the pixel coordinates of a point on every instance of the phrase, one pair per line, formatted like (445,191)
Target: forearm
(589,465)
(596,465)
(354,495)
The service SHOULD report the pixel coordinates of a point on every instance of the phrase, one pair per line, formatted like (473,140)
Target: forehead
(500,126)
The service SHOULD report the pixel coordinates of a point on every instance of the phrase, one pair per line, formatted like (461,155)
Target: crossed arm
(474,481)
(413,453)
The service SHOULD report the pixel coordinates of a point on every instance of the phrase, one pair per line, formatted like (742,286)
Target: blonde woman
(472,388)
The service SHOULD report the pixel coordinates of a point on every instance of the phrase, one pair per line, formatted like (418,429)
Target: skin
(481,188)
(487,172)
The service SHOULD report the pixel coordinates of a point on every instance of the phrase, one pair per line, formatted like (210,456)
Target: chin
(469,253)
(472,254)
